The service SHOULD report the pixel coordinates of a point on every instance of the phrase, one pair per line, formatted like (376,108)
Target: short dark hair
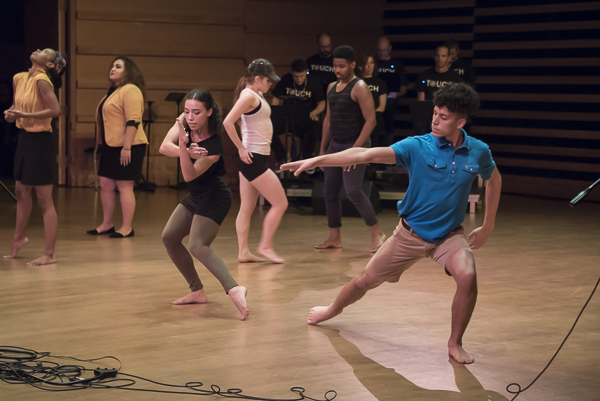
(459,98)
(451,44)
(298,65)
(345,52)
(444,44)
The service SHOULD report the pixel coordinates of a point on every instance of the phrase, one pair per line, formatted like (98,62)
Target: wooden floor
(112,297)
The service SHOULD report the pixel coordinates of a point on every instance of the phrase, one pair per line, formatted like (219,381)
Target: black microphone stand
(583,194)
(145,185)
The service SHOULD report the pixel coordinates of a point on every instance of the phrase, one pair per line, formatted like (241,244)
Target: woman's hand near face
(197,152)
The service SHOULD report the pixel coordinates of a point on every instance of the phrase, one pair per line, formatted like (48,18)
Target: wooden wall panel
(204,12)
(159,39)
(314,17)
(165,72)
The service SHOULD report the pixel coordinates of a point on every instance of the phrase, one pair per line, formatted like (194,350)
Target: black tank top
(345,119)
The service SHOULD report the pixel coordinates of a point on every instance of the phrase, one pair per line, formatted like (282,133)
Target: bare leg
(462,267)
(24,202)
(127,205)
(352,292)
(249,197)
(107,195)
(268,185)
(44,195)
(238,296)
(377,238)
(334,240)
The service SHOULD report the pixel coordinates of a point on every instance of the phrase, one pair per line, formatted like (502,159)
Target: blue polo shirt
(441,178)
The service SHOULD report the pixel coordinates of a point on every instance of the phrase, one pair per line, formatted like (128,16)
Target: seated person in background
(391,70)
(433,79)
(321,64)
(306,100)
(459,65)
(367,70)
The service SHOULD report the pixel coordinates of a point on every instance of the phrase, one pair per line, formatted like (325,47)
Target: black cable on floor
(25,366)
(519,390)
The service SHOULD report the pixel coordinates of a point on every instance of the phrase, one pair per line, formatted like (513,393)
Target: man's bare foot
(194,297)
(377,240)
(270,255)
(238,296)
(459,354)
(16,246)
(42,260)
(330,243)
(248,257)
(319,314)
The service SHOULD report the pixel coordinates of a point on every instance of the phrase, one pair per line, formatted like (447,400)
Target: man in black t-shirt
(321,64)
(303,101)
(431,80)
(459,65)
(392,72)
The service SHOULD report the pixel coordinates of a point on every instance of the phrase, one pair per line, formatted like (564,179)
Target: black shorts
(35,158)
(255,169)
(110,163)
(214,202)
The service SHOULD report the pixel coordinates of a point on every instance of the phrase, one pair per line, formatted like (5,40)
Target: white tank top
(257,129)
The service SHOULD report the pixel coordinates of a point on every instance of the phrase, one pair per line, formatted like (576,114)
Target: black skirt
(110,163)
(214,202)
(35,158)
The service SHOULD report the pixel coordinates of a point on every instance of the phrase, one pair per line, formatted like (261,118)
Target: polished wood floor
(112,297)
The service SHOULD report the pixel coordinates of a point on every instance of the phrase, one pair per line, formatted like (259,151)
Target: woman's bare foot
(238,296)
(377,240)
(459,354)
(16,246)
(248,257)
(42,260)
(330,243)
(270,255)
(319,314)
(194,297)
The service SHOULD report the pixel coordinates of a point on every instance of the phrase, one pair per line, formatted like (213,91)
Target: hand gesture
(183,135)
(300,166)
(10,115)
(479,236)
(245,156)
(196,152)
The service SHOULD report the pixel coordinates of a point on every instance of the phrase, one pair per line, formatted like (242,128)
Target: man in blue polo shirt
(442,166)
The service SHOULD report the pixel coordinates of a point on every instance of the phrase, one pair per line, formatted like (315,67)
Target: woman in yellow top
(119,128)
(34,106)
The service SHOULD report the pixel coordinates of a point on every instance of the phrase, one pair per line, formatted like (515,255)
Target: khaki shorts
(405,248)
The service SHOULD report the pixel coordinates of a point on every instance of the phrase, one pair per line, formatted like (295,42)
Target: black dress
(208,195)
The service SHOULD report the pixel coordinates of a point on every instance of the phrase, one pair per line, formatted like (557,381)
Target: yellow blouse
(124,104)
(29,100)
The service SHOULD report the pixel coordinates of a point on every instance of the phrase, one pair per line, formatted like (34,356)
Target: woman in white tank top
(254,149)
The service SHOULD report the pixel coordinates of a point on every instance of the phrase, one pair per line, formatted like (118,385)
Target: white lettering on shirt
(435,84)
(459,71)
(298,93)
(318,67)
(385,70)
(374,88)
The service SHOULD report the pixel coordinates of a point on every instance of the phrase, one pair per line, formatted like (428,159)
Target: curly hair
(214,120)
(132,74)
(459,98)
(345,52)
(56,73)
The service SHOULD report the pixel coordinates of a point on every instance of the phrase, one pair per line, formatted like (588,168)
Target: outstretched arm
(492,199)
(345,158)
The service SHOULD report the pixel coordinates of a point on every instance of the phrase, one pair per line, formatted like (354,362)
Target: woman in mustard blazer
(33,108)
(119,128)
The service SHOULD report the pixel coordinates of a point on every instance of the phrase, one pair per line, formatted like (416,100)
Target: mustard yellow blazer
(124,104)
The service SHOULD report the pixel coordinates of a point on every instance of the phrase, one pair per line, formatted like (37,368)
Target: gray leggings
(352,180)
(202,232)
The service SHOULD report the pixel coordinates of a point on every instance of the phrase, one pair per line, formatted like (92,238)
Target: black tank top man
(345,119)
